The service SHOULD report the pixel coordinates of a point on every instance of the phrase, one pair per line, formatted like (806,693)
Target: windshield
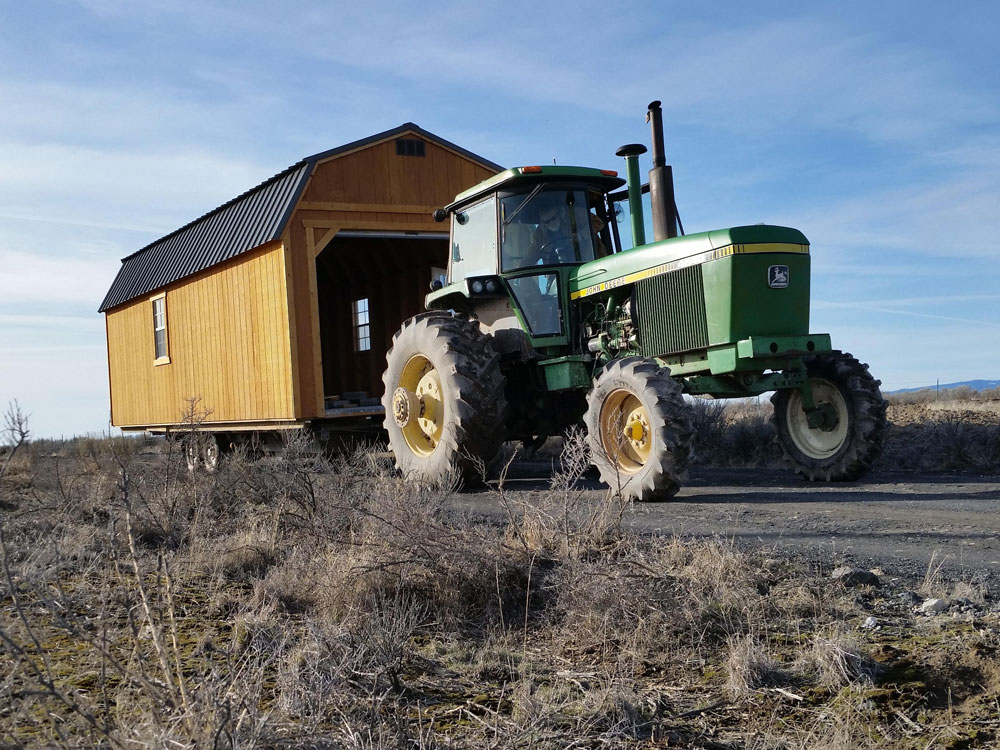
(546,226)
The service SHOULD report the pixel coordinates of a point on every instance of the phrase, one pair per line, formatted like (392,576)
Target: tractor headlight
(486,286)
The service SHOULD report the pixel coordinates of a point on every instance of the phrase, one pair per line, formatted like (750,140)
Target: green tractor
(545,322)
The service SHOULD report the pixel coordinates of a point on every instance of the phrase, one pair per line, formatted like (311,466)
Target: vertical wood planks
(228,338)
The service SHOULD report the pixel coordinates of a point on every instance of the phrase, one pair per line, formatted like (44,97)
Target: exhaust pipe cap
(631,149)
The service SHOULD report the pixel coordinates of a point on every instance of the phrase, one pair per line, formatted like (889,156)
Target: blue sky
(872,127)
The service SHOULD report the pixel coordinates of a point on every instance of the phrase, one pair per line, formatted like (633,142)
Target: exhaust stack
(631,152)
(661,181)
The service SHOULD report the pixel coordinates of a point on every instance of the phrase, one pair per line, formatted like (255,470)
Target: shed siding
(228,340)
(372,188)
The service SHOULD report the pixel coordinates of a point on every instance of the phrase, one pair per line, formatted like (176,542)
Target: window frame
(158,359)
(362,343)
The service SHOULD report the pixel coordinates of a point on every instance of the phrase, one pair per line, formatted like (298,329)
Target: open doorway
(367,285)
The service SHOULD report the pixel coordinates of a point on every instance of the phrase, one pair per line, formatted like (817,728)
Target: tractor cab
(517,236)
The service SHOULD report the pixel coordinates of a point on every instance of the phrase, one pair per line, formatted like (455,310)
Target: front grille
(671,312)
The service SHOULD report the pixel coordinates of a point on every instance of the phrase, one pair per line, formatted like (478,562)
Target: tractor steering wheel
(549,252)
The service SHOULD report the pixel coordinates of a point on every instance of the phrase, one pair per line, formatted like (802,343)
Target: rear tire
(847,450)
(444,399)
(638,430)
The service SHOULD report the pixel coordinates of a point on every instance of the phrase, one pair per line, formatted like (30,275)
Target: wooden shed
(276,308)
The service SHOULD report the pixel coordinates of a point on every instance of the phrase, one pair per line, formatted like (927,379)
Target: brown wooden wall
(229,344)
(368,189)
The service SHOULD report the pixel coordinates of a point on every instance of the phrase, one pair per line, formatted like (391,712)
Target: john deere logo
(777,277)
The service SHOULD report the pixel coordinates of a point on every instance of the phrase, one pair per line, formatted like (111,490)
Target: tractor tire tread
(663,475)
(869,422)
(469,367)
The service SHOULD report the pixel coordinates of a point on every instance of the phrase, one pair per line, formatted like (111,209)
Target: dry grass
(839,660)
(931,395)
(300,601)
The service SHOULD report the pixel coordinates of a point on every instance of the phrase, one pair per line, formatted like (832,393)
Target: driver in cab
(553,241)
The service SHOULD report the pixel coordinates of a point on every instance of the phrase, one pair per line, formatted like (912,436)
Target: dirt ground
(903,521)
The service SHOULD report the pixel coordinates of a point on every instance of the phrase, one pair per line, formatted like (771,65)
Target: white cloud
(121,188)
(52,280)
(889,310)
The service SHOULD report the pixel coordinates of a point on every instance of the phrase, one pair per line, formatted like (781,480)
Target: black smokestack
(661,180)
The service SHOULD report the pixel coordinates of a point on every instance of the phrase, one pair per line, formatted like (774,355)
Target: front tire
(444,399)
(843,451)
(638,430)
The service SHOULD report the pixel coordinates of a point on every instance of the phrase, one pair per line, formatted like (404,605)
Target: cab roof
(517,176)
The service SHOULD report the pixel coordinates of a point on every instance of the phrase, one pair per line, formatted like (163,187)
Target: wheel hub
(417,405)
(825,438)
(634,431)
(625,431)
(404,406)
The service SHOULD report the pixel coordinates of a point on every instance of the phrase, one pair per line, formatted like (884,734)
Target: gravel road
(893,521)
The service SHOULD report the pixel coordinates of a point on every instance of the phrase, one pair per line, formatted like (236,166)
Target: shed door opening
(367,286)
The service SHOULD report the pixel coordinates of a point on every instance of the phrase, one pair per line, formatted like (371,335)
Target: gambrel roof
(247,221)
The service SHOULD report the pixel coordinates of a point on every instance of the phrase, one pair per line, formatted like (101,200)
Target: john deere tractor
(546,322)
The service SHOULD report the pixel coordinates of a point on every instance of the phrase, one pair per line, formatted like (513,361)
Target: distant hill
(976,385)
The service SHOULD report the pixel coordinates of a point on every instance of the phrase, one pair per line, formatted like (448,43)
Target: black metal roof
(247,221)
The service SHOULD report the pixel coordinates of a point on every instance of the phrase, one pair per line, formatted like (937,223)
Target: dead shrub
(948,443)
(598,707)
(737,433)
(836,661)
(618,609)
(749,667)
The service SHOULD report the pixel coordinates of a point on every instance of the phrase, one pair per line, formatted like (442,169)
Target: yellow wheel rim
(625,432)
(422,432)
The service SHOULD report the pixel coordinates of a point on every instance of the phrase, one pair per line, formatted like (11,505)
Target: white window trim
(165,359)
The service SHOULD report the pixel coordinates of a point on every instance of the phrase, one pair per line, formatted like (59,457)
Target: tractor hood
(657,258)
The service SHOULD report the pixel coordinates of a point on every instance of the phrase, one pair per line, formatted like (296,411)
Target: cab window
(474,240)
(538,298)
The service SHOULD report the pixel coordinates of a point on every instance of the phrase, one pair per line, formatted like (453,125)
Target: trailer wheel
(639,430)
(444,399)
(209,452)
(848,445)
(192,452)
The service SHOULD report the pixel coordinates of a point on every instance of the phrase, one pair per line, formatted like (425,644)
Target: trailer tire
(639,430)
(847,450)
(192,452)
(444,400)
(209,452)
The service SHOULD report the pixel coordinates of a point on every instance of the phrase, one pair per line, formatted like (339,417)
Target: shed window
(362,328)
(160,350)
(409,147)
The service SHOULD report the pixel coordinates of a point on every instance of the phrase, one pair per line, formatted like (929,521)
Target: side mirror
(436,284)
(440,214)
